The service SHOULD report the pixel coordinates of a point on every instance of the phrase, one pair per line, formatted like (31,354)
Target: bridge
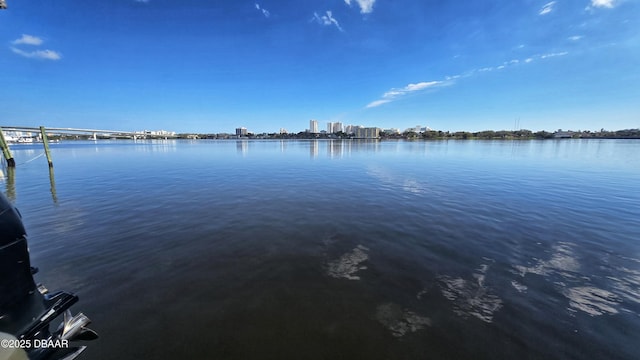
(70,131)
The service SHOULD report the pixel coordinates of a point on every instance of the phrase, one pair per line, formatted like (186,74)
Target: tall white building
(337,127)
(313,126)
(329,127)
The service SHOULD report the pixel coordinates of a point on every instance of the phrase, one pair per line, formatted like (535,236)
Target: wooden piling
(52,181)
(45,141)
(11,162)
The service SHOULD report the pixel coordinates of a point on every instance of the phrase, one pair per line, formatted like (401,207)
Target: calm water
(341,250)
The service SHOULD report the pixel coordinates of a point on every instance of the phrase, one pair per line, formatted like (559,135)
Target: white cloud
(547,8)
(326,20)
(27,40)
(366,6)
(264,11)
(377,103)
(38,54)
(602,3)
(393,94)
(420,86)
(142,1)
(575,37)
(396,93)
(553,55)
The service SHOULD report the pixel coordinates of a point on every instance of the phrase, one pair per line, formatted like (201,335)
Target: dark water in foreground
(342,250)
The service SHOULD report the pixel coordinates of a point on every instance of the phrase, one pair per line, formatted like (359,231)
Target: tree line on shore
(521,134)
(407,135)
(442,135)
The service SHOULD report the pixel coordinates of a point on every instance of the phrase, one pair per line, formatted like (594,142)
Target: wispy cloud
(326,20)
(141,1)
(395,93)
(27,40)
(603,3)
(366,6)
(575,37)
(547,8)
(264,11)
(38,54)
(545,56)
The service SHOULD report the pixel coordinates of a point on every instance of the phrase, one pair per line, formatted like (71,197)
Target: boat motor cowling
(26,314)
(16,278)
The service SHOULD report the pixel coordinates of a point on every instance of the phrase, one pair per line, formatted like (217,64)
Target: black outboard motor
(27,310)
(16,280)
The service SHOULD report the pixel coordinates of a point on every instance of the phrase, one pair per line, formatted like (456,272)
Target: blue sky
(212,66)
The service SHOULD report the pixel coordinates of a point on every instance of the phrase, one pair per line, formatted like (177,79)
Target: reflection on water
(52,181)
(471,297)
(565,271)
(400,321)
(332,249)
(349,264)
(313,149)
(592,300)
(242,147)
(8,174)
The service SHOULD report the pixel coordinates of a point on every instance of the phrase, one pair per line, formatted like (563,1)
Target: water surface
(341,249)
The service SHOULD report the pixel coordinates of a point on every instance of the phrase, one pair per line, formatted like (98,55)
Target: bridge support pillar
(5,151)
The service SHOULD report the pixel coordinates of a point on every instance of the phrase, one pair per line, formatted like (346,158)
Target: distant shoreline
(404,137)
(371,134)
(438,135)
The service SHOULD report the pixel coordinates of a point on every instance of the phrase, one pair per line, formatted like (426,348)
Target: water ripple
(349,264)
(562,261)
(592,300)
(469,297)
(400,321)
(586,297)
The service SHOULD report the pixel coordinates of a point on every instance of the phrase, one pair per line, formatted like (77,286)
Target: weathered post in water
(5,150)
(45,141)
(52,181)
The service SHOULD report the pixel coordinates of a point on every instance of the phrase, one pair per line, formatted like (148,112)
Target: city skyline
(212,67)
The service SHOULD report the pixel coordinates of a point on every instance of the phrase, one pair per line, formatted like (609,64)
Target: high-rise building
(337,127)
(367,133)
(241,131)
(329,127)
(313,126)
